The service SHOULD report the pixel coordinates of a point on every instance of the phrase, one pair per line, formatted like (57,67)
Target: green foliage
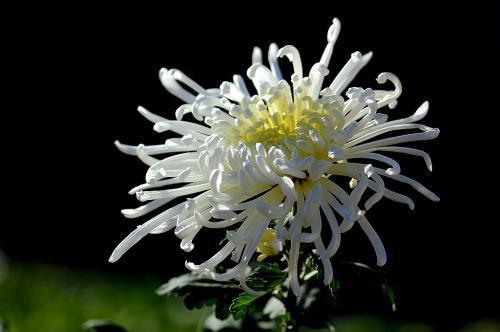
(320,305)
(199,292)
(243,303)
(310,268)
(266,277)
(334,287)
(316,308)
(226,297)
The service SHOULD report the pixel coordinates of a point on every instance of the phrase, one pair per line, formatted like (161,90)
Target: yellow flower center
(267,245)
(285,123)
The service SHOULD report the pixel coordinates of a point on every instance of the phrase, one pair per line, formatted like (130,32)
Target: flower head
(273,166)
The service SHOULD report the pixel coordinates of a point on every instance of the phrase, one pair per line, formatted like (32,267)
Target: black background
(76,75)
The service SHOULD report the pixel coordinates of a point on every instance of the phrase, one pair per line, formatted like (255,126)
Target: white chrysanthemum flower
(272,166)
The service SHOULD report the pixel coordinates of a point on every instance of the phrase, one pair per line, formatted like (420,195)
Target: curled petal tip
(120,146)
(162,71)
(422,110)
(333,31)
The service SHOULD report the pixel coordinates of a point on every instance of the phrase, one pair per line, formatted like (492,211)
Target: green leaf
(198,300)
(199,292)
(226,297)
(334,286)
(186,283)
(309,269)
(242,301)
(197,296)
(389,293)
(242,304)
(222,305)
(266,277)
(102,326)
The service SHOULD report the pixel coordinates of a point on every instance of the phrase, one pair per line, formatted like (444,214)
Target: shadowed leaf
(387,289)
(389,293)
(266,277)
(199,292)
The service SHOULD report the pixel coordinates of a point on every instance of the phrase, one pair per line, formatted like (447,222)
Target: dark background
(76,75)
